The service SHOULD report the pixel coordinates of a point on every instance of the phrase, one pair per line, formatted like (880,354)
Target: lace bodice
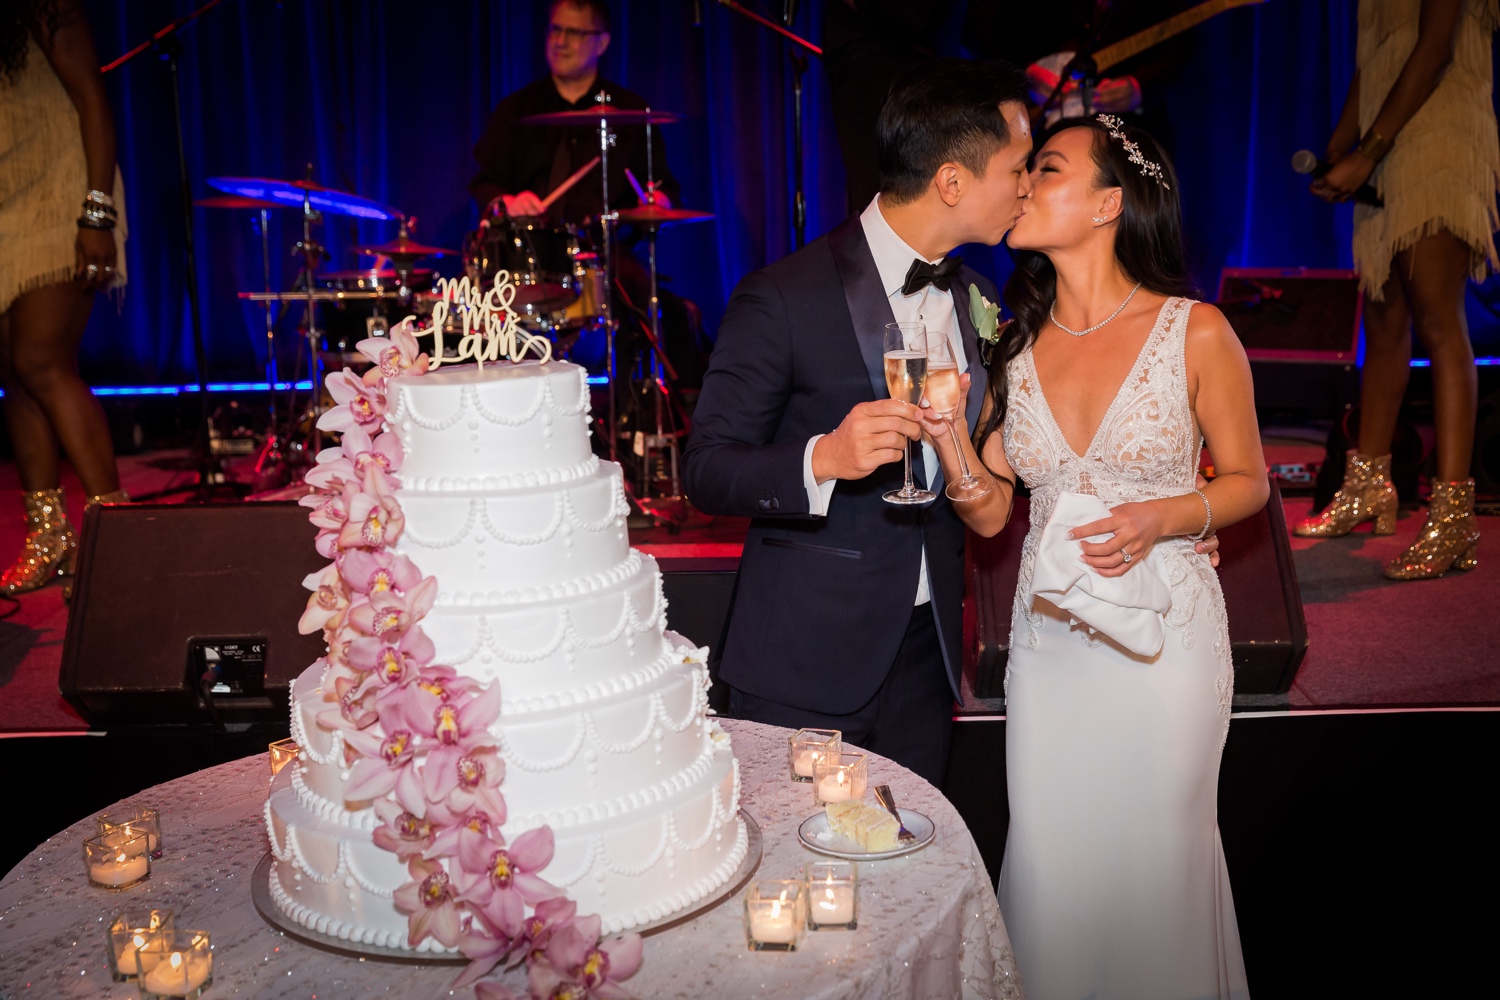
(1146,448)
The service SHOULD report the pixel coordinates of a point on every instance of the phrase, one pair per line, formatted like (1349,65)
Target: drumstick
(562,188)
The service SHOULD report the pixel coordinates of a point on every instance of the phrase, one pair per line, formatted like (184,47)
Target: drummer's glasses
(571,35)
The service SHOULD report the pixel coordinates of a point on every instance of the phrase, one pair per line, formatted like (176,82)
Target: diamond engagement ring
(1126,555)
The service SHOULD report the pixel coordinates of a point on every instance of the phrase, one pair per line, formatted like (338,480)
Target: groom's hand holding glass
(871,435)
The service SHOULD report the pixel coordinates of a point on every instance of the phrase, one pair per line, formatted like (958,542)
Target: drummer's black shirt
(516,157)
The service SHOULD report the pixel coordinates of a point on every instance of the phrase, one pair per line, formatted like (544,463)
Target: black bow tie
(921,274)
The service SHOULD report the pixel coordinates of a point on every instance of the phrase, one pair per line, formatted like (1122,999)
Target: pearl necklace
(1079,333)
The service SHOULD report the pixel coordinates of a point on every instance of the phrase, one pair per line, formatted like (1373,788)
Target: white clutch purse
(1126,608)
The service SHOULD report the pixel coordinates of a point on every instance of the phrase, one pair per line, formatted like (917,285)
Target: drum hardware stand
(606,226)
(312,255)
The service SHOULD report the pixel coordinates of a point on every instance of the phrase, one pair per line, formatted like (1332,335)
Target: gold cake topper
(488,325)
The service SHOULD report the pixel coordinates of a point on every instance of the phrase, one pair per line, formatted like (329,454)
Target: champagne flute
(905,378)
(944,391)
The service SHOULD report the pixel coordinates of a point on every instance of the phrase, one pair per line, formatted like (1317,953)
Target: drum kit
(564,273)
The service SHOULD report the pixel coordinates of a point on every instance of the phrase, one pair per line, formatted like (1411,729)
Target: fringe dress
(43,178)
(1445,167)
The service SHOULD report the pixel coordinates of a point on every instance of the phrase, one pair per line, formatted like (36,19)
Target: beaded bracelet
(1208,522)
(99,198)
(91,221)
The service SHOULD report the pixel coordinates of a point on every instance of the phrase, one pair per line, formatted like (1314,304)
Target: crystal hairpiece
(1148,168)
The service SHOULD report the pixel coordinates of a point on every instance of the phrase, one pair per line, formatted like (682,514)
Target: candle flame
(841,777)
(140,941)
(775,908)
(828,893)
(176,959)
(120,857)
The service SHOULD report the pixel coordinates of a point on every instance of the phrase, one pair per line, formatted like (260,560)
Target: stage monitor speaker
(166,593)
(1267,629)
(1300,327)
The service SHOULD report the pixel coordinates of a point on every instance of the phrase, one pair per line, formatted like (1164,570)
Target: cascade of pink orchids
(417,734)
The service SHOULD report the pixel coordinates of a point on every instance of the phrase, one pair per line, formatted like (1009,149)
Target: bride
(1114,883)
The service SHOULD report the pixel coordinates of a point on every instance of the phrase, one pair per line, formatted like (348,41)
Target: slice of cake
(869,826)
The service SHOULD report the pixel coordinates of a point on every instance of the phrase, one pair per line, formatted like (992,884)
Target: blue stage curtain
(386,99)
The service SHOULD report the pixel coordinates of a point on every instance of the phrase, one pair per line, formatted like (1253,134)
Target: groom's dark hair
(946,110)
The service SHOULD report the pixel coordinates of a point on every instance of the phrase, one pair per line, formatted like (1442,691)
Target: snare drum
(538,256)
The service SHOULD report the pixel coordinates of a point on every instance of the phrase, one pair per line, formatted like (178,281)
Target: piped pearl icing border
(581,586)
(324,924)
(493,482)
(468,396)
(564,518)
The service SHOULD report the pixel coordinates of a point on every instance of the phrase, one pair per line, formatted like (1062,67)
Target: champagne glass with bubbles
(944,392)
(905,379)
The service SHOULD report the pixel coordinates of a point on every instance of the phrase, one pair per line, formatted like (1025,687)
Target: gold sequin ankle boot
(115,496)
(1449,539)
(49,548)
(1367,494)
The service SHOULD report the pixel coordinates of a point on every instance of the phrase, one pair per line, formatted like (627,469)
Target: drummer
(520,164)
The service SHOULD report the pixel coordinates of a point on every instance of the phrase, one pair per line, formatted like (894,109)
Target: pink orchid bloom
(375,518)
(499,881)
(355,710)
(386,766)
(454,827)
(364,451)
(329,597)
(576,955)
(400,832)
(388,615)
(397,354)
(392,664)
(370,572)
(355,403)
(329,509)
(465,782)
(486,948)
(459,726)
(430,902)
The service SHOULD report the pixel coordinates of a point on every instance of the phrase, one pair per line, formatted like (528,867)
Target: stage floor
(1372,643)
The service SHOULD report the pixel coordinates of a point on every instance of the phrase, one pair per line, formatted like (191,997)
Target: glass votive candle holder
(775,914)
(128,934)
(832,895)
(175,964)
(143,820)
(283,752)
(839,777)
(806,746)
(117,860)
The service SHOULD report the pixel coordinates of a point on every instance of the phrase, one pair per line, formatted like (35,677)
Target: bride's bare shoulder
(1211,343)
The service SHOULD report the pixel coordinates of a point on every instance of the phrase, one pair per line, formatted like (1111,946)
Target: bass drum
(538,256)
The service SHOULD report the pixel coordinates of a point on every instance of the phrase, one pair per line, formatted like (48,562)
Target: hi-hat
(655,216)
(235,201)
(615,116)
(405,246)
(290,194)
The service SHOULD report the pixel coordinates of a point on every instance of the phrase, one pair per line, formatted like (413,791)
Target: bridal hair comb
(1116,128)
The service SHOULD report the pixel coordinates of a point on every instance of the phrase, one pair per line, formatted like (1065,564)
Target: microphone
(1305,161)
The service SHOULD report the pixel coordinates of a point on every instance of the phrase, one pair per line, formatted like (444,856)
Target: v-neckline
(1114,404)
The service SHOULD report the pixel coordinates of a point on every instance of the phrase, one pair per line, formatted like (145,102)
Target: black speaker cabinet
(699,592)
(168,592)
(1267,629)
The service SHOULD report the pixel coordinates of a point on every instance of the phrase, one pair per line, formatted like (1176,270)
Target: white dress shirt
(932,307)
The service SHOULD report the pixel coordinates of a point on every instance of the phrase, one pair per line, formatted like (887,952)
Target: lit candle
(805,761)
(126,960)
(775,923)
(122,869)
(177,974)
(806,747)
(833,902)
(835,787)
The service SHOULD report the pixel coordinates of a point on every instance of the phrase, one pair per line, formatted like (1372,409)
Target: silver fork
(883,793)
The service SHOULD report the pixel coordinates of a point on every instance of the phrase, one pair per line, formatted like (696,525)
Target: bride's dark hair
(1148,245)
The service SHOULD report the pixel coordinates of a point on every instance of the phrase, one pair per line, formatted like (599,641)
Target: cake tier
(510,543)
(496,427)
(659,854)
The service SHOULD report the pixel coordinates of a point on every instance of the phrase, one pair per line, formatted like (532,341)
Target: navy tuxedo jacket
(821,603)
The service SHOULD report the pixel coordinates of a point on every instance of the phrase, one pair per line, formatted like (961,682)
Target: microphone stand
(799,69)
(168,46)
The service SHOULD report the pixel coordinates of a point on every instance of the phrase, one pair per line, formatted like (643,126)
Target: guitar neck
(1139,42)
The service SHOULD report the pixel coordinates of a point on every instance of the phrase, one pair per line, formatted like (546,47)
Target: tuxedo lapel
(869,308)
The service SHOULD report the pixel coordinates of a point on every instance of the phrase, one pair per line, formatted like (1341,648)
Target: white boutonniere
(986,316)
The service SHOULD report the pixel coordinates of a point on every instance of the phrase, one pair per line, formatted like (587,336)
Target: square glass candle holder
(775,914)
(806,746)
(283,752)
(175,964)
(144,820)
(117,860)
(840,777)
(832,895)
(129,933)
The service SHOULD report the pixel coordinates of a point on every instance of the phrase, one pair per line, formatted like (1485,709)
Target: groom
(847,613)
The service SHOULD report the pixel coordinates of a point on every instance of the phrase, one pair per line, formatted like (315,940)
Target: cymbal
(654,216)
(235,201)
(615,116)
(405,246)
(385,275)
(290,194)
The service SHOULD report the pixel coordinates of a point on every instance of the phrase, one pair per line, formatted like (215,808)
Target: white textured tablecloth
(928,923)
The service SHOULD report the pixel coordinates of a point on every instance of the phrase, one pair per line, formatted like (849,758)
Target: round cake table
(928,922)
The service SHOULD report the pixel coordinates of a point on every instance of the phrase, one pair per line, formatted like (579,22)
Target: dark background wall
(386,99)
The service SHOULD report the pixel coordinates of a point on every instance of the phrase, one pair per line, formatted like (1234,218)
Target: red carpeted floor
(1372,642)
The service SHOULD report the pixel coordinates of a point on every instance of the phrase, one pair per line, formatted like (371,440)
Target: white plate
(816,836)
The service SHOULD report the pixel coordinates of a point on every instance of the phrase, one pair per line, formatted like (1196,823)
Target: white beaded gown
(1114,885)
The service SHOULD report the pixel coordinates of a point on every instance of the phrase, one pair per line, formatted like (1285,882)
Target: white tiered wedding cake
(602,723)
